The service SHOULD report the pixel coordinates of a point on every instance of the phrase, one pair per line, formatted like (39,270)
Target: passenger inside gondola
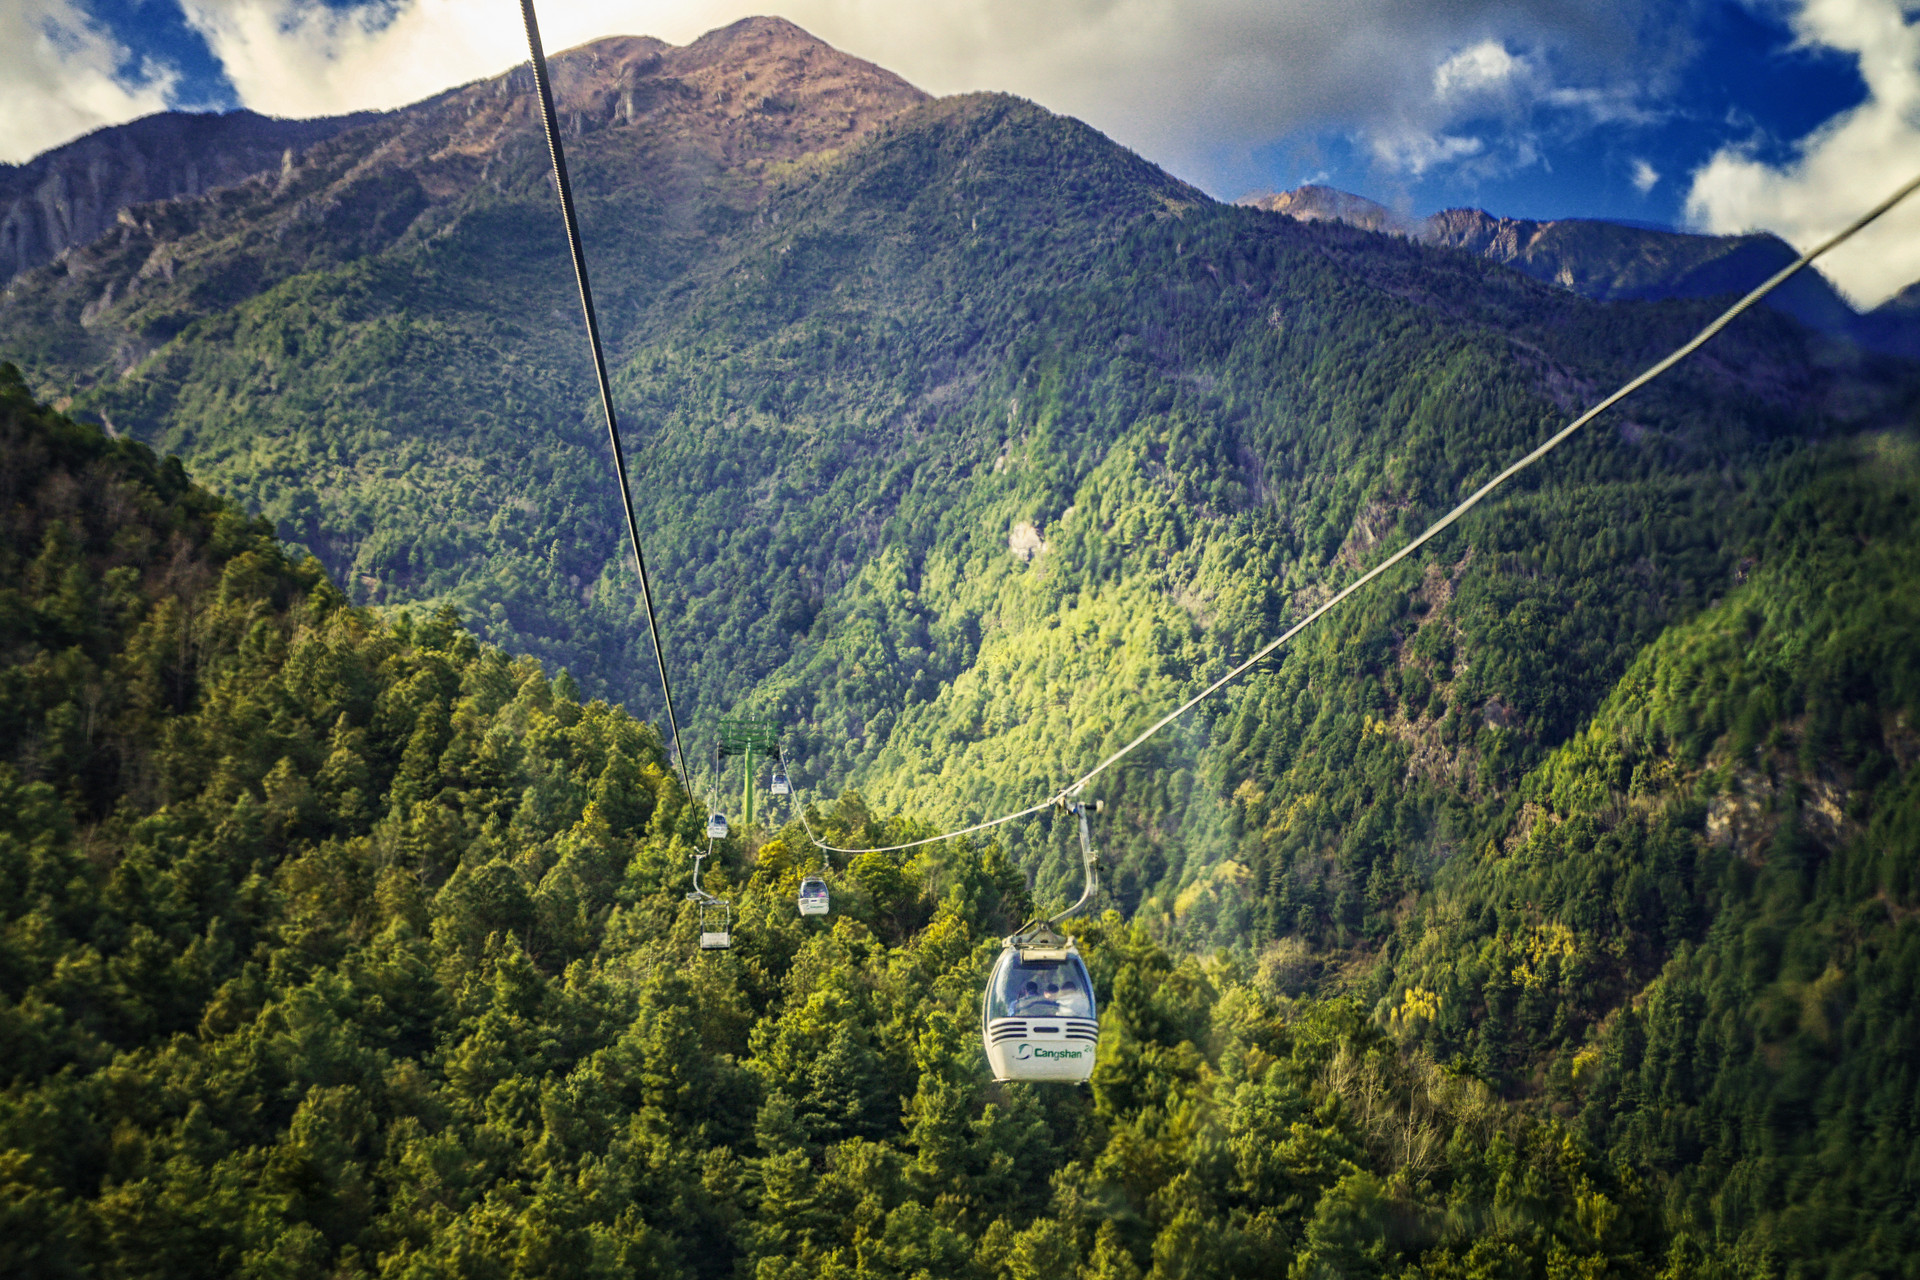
(1041,989)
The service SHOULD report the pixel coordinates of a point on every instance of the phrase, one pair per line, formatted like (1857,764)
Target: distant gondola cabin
(813,896)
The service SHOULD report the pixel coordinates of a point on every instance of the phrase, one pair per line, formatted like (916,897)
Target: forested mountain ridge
(965,446)
(334,945)
(871,383)
(1692,927)
(338,943)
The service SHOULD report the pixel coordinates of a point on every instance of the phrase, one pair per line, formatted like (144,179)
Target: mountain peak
(770,65)
(758,91)
(759,33)
(755,92)
(1905,302)
(1315,203)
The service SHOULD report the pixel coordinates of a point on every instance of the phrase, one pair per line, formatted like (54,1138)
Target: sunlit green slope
(1693,927)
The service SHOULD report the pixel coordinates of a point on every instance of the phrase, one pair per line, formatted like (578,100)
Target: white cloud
(1489,106)
(60,76)
(1482,67)
(298,59)
(1609,104)
(1842,168)
(1645,176)
(1415,153)
(1197,85)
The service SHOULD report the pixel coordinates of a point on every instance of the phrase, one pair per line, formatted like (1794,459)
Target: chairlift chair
(716,913)
(716,925)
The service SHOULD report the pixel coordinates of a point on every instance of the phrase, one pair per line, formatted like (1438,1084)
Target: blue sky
(1718,115)
(1748,85)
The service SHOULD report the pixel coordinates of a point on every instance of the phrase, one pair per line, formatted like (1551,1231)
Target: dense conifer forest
(338,944)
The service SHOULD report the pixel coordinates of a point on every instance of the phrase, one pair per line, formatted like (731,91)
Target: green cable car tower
(743,736)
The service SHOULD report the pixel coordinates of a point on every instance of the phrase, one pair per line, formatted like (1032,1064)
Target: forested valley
(1550,910)
(341,945)
(338,944)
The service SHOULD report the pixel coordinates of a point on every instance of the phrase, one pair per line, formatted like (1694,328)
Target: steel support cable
(1472,500)
(552,121)
(801,811)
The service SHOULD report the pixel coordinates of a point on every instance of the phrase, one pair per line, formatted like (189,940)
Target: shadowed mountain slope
(1894,325)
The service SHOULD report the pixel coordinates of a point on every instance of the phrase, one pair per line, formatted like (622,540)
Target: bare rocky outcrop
(73,194)
(1025,542)
(1314,203)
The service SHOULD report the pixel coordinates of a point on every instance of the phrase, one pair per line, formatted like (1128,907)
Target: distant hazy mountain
(1610,260)
(1894,325)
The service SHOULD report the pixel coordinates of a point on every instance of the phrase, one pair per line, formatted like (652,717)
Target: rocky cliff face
(1607,260)
(1313,203)
(73,194)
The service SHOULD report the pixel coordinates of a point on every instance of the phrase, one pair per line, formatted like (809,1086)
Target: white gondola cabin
(814,899)
(1040,1020)
(717,826)
(781,787)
